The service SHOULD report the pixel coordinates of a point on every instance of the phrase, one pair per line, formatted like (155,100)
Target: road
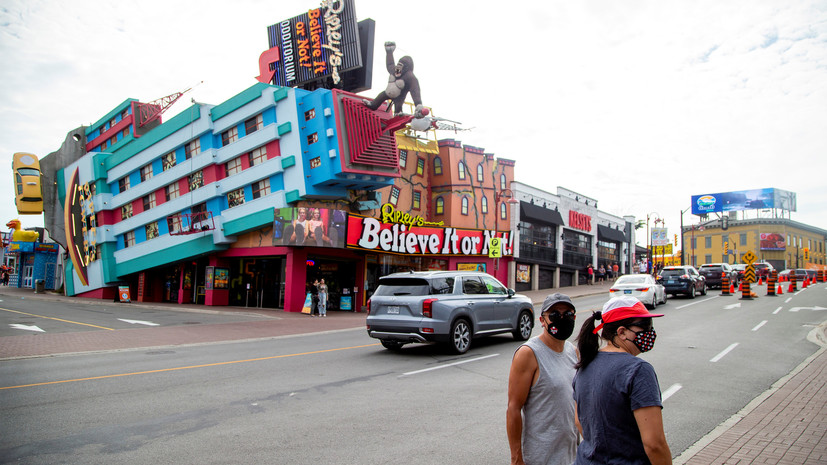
(339,397)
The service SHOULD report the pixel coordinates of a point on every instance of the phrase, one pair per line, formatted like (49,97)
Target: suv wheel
(692,291)
(703,289)
(460,336)
(525,324)
(392,345)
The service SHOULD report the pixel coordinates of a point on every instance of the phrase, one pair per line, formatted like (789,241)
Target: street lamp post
(683,242)
(648,236)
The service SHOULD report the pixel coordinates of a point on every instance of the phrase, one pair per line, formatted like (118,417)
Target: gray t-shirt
(549,432)
(608,391)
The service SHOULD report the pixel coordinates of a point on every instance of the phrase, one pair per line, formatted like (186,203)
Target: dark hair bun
(598,315)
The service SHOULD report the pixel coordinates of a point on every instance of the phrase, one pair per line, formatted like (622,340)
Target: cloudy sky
(639,104)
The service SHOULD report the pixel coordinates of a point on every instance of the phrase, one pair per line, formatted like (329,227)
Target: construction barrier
(725,286)
(771,280)
(746,291)
(820,276)
(793,282)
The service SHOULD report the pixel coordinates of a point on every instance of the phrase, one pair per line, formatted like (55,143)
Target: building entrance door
(27,276)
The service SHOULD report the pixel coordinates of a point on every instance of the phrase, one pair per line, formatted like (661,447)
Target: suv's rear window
(414,286)
(711,267)
(673,272)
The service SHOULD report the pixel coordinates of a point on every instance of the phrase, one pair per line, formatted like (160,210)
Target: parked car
(28,191)
(763,269)
(800,274)
(642,286)
(682,280)
(740,268)
(450,307)
(715,272)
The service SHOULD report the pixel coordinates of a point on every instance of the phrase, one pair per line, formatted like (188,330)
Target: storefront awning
(413,144)
(605,232)
(534,213)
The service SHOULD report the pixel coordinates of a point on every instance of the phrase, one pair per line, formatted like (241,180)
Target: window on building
(149,201)
(694,242)
(152,230)
(538,241)
(129,239)
(742,239)
(103,146)
(258,156)
(126,211)
(479,173)
(464,206)
(708,243)
(125,132)
(171,191)
(437,166)
(233,166)
(174,224)
(261,188)
(313,138)
(484,204)
(168,161)
(503,185)
(417,200)
(199,214)
(253,124)
(503,211)
(461,170)
(196,180)
(146,173)
(403,158)
(440,205)
(420,166)
(708,258)
(310,114)
(394,197)
(235,198)
(192,148)
(113,140)
(229,136)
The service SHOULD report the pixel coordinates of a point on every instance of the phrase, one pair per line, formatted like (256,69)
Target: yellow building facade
(782,242)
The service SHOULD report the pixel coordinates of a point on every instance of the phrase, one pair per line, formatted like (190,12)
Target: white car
(642,286)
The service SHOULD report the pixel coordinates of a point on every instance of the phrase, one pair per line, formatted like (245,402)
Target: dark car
(682,280)
(451,307)
(763,269)
(715,272)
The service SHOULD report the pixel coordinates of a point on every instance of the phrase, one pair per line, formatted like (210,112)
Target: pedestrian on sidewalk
(601,274)
(540,414)
(590,274)
(322,287)
(314,294)
(615,270)
(618,401)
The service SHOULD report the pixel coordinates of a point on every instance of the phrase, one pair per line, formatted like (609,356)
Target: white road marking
(759,325)
(788,300)
(139,322)
(27,328)
(448,365)
(795,309)
(724,352)
(731,306)
(699,302)
(776,311)
(668,393)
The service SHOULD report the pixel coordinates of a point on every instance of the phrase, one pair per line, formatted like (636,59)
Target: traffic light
(725,223)
(806,253)
(676,240)
(726,247)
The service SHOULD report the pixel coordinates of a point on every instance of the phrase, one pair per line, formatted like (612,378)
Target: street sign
(662,249)
(749,273)
(495,247)
(749,257)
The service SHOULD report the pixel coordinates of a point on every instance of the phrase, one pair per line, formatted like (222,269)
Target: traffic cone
(806,283)
(779,292)
(790,287)
(760,281)
(732,289)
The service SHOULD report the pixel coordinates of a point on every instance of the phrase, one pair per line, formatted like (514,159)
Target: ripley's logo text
(391,215)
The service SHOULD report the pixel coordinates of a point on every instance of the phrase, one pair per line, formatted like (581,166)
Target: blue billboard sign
(743,200)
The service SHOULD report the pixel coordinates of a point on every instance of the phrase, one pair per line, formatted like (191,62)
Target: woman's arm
(650,423)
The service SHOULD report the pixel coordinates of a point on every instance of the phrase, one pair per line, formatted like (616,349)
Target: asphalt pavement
(787,424)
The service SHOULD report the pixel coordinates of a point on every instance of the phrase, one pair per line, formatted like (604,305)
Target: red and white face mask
(645,340)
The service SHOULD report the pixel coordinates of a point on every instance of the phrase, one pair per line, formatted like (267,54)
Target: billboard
(308,226)
(772,241)
(659,236)
(743,200)
(318,44)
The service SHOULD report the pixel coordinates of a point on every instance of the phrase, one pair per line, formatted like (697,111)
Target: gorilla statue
(400,82)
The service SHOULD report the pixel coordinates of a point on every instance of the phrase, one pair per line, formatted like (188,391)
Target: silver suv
(446,306)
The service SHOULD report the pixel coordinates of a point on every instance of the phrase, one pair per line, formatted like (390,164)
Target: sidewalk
(785,425)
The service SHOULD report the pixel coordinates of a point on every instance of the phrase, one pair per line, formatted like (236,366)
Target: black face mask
(561,326)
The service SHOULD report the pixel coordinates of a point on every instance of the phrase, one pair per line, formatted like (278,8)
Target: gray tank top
(549,432)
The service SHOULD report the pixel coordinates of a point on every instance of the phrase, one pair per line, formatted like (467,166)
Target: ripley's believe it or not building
(247,201)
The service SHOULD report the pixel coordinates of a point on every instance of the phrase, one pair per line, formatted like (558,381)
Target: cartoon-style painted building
(245,202)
